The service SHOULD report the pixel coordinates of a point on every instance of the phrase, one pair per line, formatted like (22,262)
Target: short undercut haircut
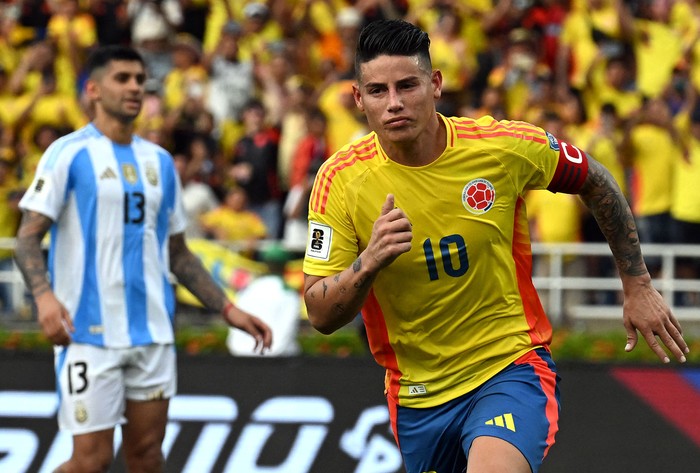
(102,56)
(392,38)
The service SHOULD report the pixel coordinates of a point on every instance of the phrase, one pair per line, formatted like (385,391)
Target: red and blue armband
(572,170)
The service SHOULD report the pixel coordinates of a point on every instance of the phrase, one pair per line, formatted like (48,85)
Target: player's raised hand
(391,235)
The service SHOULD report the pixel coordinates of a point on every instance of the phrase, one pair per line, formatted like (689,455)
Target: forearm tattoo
(191,274)
(356,266)
(28,253)
(608,205)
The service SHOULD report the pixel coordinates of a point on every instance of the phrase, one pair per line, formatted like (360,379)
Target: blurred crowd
(251,97)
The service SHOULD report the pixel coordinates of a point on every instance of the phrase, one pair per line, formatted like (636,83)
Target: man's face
(119,89)
(397,96)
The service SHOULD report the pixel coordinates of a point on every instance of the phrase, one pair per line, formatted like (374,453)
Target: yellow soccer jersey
(460,306)
(651,178)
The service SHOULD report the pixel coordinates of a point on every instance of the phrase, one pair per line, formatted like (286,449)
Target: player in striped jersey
(111,201)
(421,226)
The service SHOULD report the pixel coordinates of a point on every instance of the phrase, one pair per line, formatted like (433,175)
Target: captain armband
(572,170)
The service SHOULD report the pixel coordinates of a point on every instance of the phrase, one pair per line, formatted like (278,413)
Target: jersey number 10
(459,246)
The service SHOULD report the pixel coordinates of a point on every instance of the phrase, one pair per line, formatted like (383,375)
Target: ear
(436,80)
(92,91)
(358,97)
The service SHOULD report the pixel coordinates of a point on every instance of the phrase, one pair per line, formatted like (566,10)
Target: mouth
(133,103)
(398,122)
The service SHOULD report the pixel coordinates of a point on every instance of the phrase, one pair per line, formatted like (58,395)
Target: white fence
(555,285)
(552,281)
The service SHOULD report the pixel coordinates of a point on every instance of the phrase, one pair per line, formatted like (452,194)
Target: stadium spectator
(254,167)
(197,196)
(611,79)
(345,122)
(433,205)
(293,125)
(232,221)
(685,203)
(153,26)
(29,156)
(37,61)
(260,30)
(187,78)
(518,73)
(112,22)
(273,79)
(311,152)
(111,317)
(189,121)
(151,121)
(231,79)
(336,48)
(650,148)
(195,13)
(453,56)
(589,26)
(46,105)
(7,99)
(658,43)
(604,143)
(73,33)
(491,102)
(9,221)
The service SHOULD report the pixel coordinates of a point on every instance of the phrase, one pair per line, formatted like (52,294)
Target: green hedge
(566,346)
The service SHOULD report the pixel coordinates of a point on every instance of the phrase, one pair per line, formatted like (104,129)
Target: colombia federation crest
(478,196)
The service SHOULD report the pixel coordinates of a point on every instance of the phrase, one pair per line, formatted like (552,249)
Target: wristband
(227,307)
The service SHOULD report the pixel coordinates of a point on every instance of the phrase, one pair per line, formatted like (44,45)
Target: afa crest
(130,174)
(151,174)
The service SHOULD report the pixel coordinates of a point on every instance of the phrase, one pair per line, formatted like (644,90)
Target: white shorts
(94,382)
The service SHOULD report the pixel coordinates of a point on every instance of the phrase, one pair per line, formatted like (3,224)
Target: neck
(115,130)
(421,151)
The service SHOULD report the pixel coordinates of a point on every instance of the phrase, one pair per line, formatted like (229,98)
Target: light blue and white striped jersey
(113,207)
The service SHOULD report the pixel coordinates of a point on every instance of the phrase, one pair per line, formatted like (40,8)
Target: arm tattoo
(356,267)
(608,205)
(191,274)
(339,308)
(28,253)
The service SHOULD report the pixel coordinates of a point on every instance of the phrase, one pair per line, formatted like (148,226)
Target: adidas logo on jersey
(417,389)
(108,174)
(506,420)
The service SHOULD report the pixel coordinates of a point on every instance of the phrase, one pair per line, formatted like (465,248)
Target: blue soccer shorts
(519,405)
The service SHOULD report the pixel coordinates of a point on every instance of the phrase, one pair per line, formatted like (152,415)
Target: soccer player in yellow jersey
(421,225)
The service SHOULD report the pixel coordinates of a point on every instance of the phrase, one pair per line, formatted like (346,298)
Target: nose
(395,101)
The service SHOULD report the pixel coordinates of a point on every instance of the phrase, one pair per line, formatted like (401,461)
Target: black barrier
(326,415)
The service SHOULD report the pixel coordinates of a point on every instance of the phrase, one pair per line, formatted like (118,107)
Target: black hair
(103,55)
(316,113)
(392,38)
